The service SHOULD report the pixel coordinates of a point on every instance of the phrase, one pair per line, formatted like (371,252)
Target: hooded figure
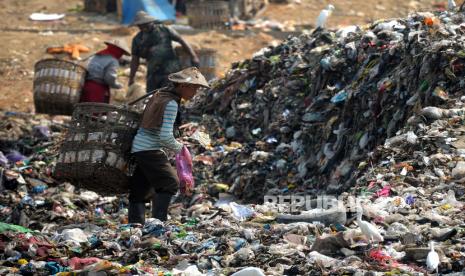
(153,43)
(154,178)
(102,72)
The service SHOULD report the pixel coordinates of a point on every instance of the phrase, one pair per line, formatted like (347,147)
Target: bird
(451,5)
(369,230)
(432,261)
(323,17)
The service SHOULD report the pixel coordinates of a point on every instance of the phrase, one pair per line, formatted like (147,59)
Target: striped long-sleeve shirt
(161,138)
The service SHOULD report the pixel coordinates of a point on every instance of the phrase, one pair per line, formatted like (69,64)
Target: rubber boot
(136,212)
(160,204)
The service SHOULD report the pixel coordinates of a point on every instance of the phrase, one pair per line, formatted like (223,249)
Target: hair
(176,84)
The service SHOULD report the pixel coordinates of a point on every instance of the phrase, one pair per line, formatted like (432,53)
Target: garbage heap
(28,149)
(303,114)
(411,187)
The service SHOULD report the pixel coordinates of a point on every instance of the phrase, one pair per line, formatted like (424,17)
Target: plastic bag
(241,212)
(184,169)
(249,271)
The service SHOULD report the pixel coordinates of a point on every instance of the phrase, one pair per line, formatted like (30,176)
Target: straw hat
(189,75)
(142,18)
(120,43)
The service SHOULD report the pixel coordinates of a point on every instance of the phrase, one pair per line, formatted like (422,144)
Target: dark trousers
(154,174)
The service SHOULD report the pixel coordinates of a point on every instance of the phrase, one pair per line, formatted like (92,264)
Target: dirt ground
(25,41)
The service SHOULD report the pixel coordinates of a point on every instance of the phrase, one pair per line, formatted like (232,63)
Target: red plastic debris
(384,192)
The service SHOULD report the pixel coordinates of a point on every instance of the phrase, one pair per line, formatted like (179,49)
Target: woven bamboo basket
(207,58)
(57,86)
(212,14)
(96,152)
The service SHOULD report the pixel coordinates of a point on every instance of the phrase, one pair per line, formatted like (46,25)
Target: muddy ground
(24,41)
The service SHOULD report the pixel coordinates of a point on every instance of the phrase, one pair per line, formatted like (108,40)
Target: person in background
(179,6)
(102,72)
(233,10)
(154,178)
(154,43)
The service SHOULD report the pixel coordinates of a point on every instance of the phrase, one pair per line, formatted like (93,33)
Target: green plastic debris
(461,54)
(424,86)
(274,59)
(358,135)
(181,234)
(192,222)
(5,227)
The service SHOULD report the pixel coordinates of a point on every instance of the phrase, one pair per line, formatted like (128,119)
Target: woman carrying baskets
(102,72)
(154,178)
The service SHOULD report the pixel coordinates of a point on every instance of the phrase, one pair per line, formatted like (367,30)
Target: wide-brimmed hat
(189,75)
(120,43)
(142,18)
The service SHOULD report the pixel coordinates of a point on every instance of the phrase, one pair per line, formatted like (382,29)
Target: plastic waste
(339,97)
(154,227)
(186,269)
(451,199)
(3,160)
(39,189)
(76,263)
(14,228)
(241,212)
(459,170)
(75,235)
(89,196)
(42,132)
(315,257)
(54,268)
(184,170)
(249,271)
(15,156)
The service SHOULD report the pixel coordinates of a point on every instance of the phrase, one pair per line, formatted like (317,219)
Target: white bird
(323,17)
(432,261)
(369,230)
(451,5)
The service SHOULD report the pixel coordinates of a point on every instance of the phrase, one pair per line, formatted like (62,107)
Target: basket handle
(143,97)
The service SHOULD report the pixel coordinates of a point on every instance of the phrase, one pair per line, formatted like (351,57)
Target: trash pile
(28,149)
(301,116)
(372,113)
